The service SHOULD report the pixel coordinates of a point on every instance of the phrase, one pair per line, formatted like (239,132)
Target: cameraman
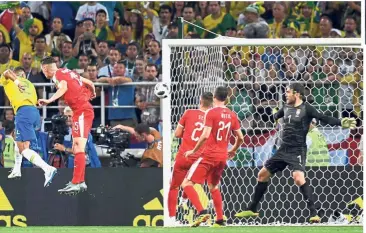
(153,155)
(92,159)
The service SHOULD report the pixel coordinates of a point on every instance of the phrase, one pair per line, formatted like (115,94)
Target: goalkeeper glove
(348,123)
(274,111)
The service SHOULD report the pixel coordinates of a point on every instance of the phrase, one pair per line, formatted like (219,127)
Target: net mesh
(257,77)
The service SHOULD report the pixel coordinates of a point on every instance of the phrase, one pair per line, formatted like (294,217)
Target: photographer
(92,159)
(153,155)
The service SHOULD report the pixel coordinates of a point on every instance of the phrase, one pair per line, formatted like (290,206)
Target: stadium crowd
(103,41)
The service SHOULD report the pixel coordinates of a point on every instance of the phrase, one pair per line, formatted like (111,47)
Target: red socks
(172,201)
(193,197)
(79,168)
(217,201)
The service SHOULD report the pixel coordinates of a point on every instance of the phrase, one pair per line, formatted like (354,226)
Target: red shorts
(180,169)
(204,169)
(82,122)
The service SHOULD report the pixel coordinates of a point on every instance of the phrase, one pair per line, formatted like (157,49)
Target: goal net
(257,73)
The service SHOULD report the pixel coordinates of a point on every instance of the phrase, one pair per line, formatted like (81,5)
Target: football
(162,90)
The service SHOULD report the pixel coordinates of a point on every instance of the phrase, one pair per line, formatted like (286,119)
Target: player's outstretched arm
(125,128)
(344,122)
(10,75)
(62,88)
(90,84)
(179,131)
(239,139)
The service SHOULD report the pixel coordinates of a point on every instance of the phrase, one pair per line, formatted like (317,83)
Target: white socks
(34,158)
(18,161)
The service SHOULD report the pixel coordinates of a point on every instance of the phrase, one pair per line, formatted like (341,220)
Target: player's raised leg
(299,178)
(197,175)
(25,120)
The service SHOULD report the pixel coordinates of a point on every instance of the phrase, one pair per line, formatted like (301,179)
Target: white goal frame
(224,41)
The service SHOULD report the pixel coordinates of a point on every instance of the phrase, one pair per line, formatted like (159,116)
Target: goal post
(257,71)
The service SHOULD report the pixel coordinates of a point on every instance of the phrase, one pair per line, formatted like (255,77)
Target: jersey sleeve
(279,114)
(209,119)
(313,113)
(182,121)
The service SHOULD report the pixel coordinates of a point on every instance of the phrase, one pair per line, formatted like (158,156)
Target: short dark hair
(125,23)
(351,17)
(165,7)
(19,68)
(101,11)
(41,36)
(5,45)
(207,99)
(221,93)
(142,128)
(47,60)
(151,65)
(153,40)
(297,88)
(9,127)
(121,62)
(89,19)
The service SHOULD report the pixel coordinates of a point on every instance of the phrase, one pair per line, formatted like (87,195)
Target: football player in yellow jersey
(23,98)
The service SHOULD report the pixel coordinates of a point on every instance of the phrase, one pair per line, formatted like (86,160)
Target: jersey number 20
(221,131)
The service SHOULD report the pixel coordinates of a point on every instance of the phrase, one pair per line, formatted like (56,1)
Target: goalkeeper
(292,153)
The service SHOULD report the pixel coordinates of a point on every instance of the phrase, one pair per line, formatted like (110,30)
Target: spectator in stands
(190,16)
(309,19)
(9,115)
(279,15)
(137,23)
(53,37)
(103,51)
(120,96)
(86,42)
(83,63)
(102,31)
(140,69)
(114,56)
(32,28)
(92,159)
(159,24)
(92,75)
(325,27)
(40,51)
(131,55)
(155,56)
(68,60)
(89,11)
(146,100)
(350,27)
(5,61)
(126,37)
(360,147)
(218,21)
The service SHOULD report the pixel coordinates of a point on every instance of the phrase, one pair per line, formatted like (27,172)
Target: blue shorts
(27,120)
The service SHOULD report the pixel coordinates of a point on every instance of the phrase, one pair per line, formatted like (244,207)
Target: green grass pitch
(270,229)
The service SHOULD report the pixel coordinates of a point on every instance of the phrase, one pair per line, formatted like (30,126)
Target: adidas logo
(4,202)
(151,220)
(154,204)
(10,220)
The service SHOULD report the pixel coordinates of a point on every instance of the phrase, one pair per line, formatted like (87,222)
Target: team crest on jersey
(298,112)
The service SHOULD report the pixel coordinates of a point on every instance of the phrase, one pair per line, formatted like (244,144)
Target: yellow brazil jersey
(210,23)
(9,65)
(18,99)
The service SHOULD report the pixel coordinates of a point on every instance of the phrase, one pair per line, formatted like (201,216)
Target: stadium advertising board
(115,197)
(134,197)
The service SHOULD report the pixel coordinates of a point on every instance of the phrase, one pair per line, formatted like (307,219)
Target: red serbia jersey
(222,122)
(77,95)
(192,122)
